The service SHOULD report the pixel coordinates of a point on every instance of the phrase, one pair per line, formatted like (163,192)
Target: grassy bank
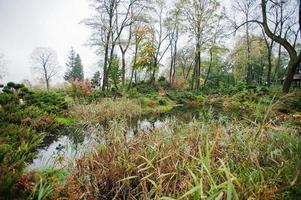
(212,159)
(244,145)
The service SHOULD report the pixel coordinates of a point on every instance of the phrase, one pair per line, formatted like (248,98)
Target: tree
(160,35)
(257,59)
(146,58)
(115,72)
(216,47)
(286,23)
(246,7)
(289,45)
(75,67)
(185,61)
(96,80)
(200,15)
(44,62)
(110,19)
(141,32)
(173,23)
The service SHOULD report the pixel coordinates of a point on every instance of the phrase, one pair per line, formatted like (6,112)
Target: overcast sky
(26,24)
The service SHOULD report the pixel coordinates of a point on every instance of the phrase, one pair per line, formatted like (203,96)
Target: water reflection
(64,147)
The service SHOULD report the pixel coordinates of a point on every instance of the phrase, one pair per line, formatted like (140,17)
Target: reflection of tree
(77,133)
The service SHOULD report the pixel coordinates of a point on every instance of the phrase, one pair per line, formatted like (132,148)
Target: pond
(62,148)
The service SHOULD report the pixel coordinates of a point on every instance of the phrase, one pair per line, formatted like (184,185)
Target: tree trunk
(295,58)
(47,84)
(105,74)
(291,69)
(171,65)
(110,61)
(133,67)
(153,76)
(277,68)
(270,65)
(198,71)
(46,76)
(175,57)
(209,69)
(249,70)
(123,68)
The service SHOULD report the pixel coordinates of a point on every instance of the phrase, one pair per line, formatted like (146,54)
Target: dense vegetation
(243,143)
(26,117)
(241,139)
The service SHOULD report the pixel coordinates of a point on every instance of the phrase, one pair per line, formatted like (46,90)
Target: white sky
(26,24)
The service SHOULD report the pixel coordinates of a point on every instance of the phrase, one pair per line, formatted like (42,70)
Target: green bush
(181,97)
(23,115)
(133,93)
(17,148)
(200,98)
(51,102)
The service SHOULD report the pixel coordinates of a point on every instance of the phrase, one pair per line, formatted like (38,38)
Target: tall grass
(206,159)
(106,110)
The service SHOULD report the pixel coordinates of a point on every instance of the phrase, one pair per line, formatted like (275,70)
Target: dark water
(62,148)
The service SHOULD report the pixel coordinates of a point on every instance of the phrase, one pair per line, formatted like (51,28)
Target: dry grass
(213,160)
(106,110)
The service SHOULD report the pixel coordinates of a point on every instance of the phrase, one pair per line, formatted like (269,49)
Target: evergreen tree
(96,80)
(75,67)
(78,68)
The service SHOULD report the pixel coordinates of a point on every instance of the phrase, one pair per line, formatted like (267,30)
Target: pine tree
(75,67)
(78,68)
(96,80)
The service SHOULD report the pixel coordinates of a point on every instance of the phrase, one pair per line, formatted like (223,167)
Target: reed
(205,159)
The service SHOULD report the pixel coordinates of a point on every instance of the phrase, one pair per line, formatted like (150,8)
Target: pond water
(62,148)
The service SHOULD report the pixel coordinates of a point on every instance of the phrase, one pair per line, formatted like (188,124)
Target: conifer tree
(75,67)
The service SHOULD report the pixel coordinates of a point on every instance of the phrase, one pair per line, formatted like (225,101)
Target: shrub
(133,93)
(79,89)
(20,124)
(18,147)
(50,102)
(200,98)
(181,97)
(289,103)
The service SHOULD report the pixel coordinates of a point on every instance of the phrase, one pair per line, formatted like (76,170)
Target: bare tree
(160,35)
(141,32)
(174,25)
(44,62)
(124,46)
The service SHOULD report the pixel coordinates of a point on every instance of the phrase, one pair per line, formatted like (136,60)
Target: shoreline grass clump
(106,110)
(216,159)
